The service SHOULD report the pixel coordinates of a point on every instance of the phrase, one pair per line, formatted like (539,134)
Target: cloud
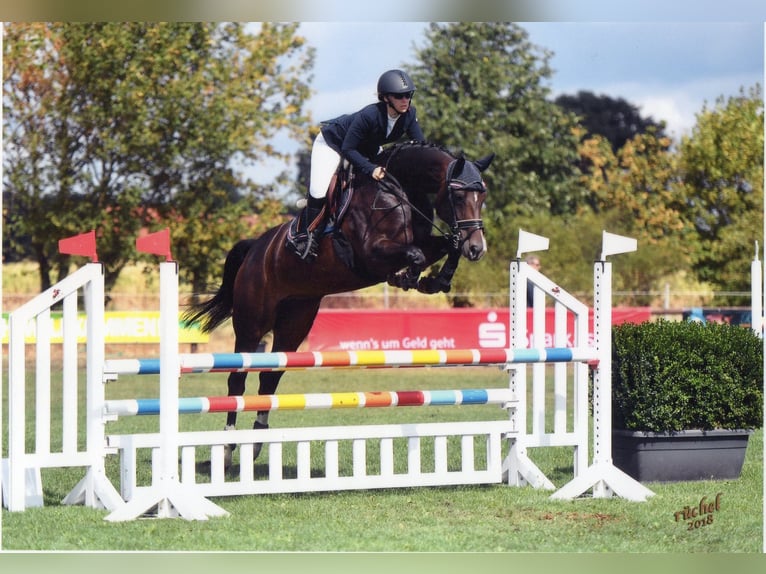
(669,70)
(670,109)
(678,104)
(329,104)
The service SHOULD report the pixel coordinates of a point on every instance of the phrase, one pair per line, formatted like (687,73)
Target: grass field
(491,519)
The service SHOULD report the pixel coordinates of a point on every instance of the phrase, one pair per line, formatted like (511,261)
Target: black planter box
(680,456)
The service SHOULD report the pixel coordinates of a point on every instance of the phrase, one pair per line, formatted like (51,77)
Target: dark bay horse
(389,234)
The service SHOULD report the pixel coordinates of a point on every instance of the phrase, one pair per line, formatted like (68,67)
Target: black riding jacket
(358,136)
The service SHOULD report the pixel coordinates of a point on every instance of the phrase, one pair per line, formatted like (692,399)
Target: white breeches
(324,162)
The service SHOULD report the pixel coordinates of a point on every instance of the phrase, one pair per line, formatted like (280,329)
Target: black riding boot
(305,241)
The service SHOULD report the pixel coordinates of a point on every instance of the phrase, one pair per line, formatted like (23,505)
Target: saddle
(337,201)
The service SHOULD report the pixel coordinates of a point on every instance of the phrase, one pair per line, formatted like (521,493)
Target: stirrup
(312,247)
(307,250)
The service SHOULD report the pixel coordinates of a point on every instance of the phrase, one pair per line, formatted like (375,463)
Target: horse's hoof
(258,446)
(396,281)
(228,451)
(404,280)
(445,286)
(431,285)
(428,286)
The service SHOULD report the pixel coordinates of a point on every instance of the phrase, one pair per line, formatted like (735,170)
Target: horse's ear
(457,166)
(484,162)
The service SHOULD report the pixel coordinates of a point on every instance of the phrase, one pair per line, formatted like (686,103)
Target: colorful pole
(197,405)
(229,362)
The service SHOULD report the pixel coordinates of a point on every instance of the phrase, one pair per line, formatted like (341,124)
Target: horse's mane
(412,144)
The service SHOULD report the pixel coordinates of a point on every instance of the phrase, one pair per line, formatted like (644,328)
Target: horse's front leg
(440,282)
(434,249)
(408,277)
(269,383)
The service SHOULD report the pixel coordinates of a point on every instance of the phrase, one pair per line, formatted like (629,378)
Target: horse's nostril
(475,251)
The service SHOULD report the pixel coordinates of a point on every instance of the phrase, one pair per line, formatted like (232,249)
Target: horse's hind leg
(236,386)
(293,324)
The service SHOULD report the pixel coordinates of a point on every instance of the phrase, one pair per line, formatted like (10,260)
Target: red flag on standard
(83,244)
(155,243)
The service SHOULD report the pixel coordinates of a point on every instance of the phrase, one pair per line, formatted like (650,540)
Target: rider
(358,138)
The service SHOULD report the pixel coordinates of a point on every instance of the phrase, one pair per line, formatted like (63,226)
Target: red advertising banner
(362,329)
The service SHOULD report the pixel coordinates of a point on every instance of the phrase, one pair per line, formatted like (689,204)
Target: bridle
(469,226)
(468,179)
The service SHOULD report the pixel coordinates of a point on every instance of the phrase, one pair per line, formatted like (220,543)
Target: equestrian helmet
(395,82)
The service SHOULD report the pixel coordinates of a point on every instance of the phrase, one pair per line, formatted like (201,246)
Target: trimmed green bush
(680,375)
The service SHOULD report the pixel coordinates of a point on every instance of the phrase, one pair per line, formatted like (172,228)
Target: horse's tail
(217,309)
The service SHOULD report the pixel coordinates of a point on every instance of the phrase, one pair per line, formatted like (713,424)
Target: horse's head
(423,169)
(459,205)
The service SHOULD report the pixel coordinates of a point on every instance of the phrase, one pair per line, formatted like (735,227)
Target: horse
(388,233)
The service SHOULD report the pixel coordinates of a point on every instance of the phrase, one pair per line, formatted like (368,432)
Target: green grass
(492,518)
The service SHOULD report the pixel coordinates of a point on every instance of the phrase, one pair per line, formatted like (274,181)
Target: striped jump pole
(280,361)
(199,405)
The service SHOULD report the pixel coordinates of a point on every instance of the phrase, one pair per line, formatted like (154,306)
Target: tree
(721,167)
(480,89)
(636,192)
(614,119)
(35,185)
(206,217)
(640,181)
(119,126)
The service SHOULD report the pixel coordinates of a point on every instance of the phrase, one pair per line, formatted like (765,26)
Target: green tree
(134,125)
(640,181)
(721,167)
(480,89)
(613,118)
(36,183)
(636,192)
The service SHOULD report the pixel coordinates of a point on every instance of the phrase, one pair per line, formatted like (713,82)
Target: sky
(669,70)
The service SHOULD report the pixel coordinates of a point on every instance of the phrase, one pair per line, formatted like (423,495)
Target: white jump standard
(175,491)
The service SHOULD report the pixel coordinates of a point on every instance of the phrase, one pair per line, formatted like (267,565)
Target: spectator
(534,262)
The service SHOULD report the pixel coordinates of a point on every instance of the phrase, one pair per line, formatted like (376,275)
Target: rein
(468,225)
(454,233)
